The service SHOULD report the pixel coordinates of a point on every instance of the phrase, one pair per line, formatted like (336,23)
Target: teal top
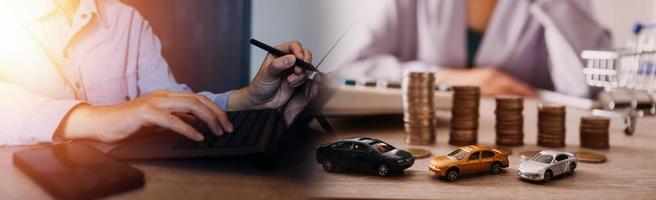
(473,42)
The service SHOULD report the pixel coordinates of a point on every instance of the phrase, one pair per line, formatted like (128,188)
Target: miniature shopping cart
(628,78)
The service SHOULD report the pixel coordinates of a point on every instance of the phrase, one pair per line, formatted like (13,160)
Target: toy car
(547,164)
(363,153)
(467,160)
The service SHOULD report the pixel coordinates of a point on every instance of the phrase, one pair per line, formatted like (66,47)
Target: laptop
(258,134)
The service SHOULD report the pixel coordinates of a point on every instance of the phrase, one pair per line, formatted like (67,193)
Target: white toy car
(547,164)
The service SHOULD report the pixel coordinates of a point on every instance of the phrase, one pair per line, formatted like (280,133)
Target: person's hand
(301,99)
(275,83)
(158,109)
(491,81)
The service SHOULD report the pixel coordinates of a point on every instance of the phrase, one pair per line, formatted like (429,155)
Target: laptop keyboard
(249,126)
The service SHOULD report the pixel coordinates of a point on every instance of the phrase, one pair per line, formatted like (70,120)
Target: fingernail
(230,128)
(218,131)
(199,137)
(288,61)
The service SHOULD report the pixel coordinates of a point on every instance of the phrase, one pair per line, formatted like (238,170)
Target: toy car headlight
(400,161)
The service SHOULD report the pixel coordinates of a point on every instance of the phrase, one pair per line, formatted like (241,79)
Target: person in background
(505,47)
(93,69)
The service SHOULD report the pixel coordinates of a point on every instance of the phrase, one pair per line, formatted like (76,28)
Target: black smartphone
(76,171)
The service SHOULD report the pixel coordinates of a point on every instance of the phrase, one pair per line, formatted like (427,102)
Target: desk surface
(630,171)
(181,179)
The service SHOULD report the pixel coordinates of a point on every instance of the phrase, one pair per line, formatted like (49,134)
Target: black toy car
(363,153)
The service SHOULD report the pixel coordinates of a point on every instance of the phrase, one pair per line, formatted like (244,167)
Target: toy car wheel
(570,171)
(547,176)
(630,123)
(452,175)
(383,169)
(496,168)
(329,166)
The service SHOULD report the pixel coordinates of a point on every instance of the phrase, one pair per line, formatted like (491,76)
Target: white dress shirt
(107,54)
(535,41)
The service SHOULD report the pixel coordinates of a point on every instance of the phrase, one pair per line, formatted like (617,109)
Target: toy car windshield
(543,158)
(457,154)
(382,147)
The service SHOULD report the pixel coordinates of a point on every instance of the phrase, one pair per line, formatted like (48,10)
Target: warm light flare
(11,32)
(18,49)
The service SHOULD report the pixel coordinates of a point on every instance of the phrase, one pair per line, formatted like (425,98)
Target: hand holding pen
(276,80)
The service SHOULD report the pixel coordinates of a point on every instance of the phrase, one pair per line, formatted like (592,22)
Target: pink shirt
(107,55)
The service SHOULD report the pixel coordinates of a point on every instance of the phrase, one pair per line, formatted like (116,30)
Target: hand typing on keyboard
(273,86)
(249,127)
(117,122)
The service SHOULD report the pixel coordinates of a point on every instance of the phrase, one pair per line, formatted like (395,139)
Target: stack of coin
(589,157)
(510,122)
(594,132)
(419,108)
(551,125)
(464,115)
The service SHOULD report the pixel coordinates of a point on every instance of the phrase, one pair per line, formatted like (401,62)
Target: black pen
(278,53)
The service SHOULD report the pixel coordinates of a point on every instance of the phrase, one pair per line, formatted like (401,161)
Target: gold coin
(466,88)
(503,113)
(509,138)
(589,157)
(509,98)
(551,108)
(419,141)
(595,121)
(595,146)
(510,143)
(551,144)
(419,153)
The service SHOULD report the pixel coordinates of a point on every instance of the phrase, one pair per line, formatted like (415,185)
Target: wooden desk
(629,173)
(182,179)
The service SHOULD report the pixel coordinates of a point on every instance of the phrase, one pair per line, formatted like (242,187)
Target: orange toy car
(467,160)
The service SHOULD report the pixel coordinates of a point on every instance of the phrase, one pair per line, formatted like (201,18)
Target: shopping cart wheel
(629,124)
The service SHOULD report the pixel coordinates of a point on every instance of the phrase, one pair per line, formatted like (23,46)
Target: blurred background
(211,36)
(205,42)
(318,23)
